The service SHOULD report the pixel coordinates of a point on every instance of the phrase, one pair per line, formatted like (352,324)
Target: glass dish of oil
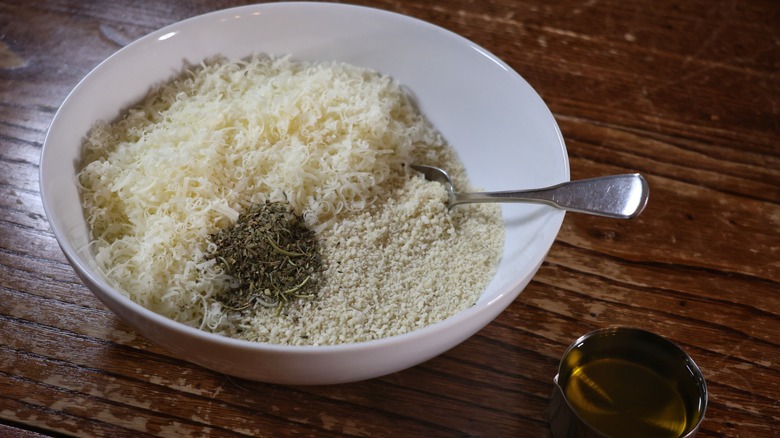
(625,382)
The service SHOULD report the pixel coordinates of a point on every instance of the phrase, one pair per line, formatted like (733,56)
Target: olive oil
(625,399)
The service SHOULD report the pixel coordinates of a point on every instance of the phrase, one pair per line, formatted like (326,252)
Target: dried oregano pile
(272,255)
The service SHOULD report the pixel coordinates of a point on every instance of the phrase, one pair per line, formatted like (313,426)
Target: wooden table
(687,93)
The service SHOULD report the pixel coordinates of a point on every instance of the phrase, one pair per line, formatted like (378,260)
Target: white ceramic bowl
(503,132)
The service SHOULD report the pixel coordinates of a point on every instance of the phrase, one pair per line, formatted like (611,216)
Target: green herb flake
(272,255)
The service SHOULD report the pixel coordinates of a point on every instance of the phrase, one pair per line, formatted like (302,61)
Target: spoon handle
(616,196)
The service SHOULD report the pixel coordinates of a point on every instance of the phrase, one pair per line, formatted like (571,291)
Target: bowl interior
(501,129)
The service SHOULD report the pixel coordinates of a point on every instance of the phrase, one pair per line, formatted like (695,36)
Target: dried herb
(272,255)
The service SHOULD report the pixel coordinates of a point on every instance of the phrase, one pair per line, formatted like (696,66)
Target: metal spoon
(616,196)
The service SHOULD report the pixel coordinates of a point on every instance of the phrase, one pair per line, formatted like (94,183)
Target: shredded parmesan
(330,139)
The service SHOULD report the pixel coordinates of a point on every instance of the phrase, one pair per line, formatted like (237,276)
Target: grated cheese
(330,139)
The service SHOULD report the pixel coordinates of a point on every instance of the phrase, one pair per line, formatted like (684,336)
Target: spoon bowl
(513,119)
(615,196)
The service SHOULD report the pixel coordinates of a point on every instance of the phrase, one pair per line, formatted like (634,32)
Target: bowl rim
(82,268)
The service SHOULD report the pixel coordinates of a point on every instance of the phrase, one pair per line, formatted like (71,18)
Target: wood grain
(684,92)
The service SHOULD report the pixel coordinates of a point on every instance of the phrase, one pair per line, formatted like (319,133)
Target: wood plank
(685,93)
